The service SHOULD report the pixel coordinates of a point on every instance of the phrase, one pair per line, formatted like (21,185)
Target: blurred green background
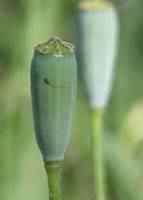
(24,23)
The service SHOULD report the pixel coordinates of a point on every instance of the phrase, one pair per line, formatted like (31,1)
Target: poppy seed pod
(53,88)
(97,40)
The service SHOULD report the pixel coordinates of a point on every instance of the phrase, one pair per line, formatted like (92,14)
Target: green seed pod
(53,88)
(97,42)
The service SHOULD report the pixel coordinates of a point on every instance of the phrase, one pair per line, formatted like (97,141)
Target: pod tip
(94,5)
(55,46)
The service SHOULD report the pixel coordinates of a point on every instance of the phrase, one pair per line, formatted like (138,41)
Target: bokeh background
(24,23)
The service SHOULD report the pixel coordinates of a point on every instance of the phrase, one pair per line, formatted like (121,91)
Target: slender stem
(54,171)
(97,119)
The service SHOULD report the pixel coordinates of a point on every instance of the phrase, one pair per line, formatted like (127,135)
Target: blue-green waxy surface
(53,88)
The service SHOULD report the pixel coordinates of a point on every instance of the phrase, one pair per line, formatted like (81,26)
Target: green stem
(54,171)
(97,119)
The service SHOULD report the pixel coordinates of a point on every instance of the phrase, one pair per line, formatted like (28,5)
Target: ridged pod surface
(97,42)
(53,88)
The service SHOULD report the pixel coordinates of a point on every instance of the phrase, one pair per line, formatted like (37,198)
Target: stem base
(54,173)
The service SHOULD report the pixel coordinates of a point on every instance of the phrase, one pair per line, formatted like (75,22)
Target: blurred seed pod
(97,41)
(53,88)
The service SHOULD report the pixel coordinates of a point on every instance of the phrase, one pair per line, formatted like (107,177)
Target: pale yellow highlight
(95,5)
